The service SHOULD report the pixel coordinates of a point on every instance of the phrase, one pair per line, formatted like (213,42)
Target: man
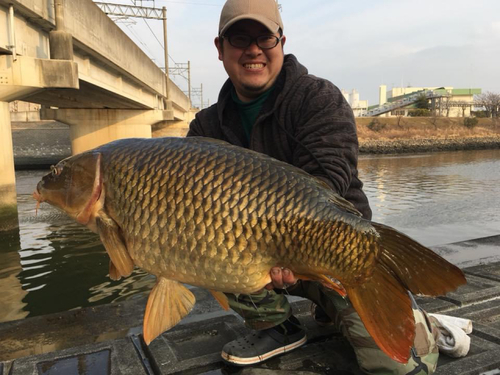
(272,105)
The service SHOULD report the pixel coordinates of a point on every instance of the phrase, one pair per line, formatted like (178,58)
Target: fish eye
(54,170)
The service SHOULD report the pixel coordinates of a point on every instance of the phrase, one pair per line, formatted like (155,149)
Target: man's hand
(282,278)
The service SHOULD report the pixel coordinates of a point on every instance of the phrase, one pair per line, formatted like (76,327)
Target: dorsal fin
(344,204)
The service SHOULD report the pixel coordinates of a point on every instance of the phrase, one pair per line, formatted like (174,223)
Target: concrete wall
(33,21)
(40,143)
(8,197)
(92,29)
(174,128)
(23,111)
(113,71)
(177,96)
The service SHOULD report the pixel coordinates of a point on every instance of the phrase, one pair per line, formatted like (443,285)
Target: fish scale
(206,213)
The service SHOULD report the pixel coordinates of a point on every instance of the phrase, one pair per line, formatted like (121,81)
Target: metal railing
(404,101)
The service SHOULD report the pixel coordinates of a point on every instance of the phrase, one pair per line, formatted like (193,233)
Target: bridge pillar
(90,128)
(176,127)
(8,196)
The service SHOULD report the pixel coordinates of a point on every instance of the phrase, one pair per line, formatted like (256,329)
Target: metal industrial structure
(126,11)
(405,100)
(140,12)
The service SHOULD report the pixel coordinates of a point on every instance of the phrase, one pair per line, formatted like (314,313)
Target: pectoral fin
(221,298)
(113,272)
(168,303)
(333,284)
(121,262)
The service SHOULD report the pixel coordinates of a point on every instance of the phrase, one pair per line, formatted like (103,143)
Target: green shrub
(470,122)
(419,112)
(482,114)
(375,125)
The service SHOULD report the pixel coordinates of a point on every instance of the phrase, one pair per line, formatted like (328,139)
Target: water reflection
(11,290)
(56,265)
(53,264)
(438,198)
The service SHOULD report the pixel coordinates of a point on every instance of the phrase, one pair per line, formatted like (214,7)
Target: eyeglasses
(244,41)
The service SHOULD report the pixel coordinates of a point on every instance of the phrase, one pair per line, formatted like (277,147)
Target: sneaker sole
(239,361)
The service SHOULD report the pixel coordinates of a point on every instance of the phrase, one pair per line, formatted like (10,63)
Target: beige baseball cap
(264,11)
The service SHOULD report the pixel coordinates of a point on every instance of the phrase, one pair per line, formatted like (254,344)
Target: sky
(356,44)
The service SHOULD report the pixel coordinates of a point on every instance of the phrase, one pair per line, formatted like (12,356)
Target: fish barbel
(210,214)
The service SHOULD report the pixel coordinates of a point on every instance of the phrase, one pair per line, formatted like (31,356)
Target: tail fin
(385,309)
(383,303)
(420,269)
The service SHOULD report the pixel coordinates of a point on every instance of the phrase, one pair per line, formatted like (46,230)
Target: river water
(56,265)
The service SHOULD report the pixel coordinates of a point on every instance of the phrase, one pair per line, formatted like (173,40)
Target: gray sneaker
(259,346)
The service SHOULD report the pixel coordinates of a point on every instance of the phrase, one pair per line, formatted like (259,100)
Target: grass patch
(424,127)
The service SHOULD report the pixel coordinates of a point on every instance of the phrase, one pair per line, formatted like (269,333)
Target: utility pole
(141,12)
(189,81)
(179,69)
(199,93)
(164,17)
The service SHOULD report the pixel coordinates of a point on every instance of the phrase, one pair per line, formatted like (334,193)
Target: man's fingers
(288,277)
(277,277)
(281,278)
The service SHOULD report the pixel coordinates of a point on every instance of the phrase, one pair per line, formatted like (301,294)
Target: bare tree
(461,104)
(433,119)
(400,121)
(490,101)
(445,105)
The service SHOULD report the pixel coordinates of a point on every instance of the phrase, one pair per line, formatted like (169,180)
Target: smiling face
(252,70)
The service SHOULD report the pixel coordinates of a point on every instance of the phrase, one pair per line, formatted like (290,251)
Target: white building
(359,107)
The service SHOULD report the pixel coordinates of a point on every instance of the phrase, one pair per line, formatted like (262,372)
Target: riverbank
(396,135)
(403,146)
(39,144)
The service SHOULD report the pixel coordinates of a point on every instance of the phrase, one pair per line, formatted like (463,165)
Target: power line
(133,32)
(125,11)
(192,3)
(161,45)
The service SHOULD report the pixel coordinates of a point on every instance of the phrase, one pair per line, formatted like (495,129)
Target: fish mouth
(37,196)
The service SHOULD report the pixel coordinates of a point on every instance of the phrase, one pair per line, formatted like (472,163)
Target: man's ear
(218,43)
(283,40)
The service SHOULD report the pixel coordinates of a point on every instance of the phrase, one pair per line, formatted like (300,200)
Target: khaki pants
(267,309)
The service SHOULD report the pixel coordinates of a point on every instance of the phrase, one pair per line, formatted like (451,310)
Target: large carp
(206,213)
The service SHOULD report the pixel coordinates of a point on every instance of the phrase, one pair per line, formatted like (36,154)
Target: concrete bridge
(70,57)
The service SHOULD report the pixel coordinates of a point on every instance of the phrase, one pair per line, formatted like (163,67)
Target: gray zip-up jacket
(305,122)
